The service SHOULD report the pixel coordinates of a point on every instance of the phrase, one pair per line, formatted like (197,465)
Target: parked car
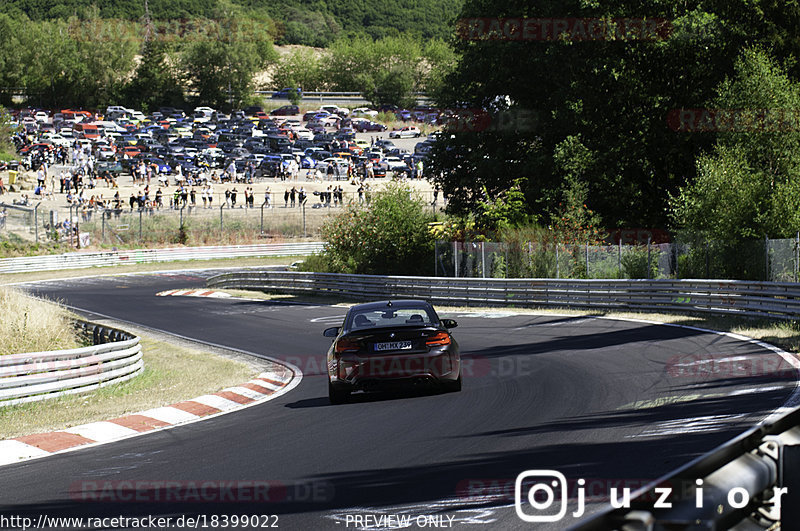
(286,110)
(389,344)
(406,132)
(284,93)
(366,126)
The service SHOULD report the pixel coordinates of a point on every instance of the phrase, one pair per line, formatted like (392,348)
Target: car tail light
(347,345)
(438,339)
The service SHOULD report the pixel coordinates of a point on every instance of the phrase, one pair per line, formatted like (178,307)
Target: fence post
(140,224)
(797,257)
(70,226)
(262,216)
(648,258)
(558,266)
(36,220)
(708,261)
(766,259)
(483,259)
(619,257)
(677,254)
(221,224)
(304,219)
(103,226)
(455,259)
(587,259)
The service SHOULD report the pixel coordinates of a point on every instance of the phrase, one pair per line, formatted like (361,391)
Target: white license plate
(393,345)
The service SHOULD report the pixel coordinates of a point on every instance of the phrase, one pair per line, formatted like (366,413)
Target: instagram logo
(545,489)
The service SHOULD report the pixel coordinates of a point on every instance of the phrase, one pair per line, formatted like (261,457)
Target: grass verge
(174,371)
(31,325)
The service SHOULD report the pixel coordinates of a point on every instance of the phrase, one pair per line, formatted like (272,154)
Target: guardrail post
(790,503)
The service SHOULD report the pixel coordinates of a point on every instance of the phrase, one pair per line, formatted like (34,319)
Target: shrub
(390,236)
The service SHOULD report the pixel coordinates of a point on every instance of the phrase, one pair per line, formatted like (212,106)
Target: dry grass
(33,325)
(172,373)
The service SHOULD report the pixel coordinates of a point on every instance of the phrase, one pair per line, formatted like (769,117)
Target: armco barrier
(116,356)
(707,493)
(754,299)
(143,256)
(749,483)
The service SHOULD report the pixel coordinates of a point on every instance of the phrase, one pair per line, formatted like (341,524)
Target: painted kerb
(729,297)
(115,357)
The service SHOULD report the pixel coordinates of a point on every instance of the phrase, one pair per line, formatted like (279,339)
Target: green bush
(389,236)
(634,263)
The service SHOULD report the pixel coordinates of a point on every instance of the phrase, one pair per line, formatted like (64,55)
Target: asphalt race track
(598,399)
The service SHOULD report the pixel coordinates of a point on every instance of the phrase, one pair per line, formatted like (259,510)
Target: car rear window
(392,317)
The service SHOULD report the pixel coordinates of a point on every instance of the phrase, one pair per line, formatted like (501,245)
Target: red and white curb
(262,388)
(194,293)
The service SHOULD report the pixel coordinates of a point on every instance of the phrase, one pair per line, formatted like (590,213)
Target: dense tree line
(317,23)
(600,143)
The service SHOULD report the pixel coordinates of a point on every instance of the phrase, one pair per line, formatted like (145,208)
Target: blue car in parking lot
(285,92)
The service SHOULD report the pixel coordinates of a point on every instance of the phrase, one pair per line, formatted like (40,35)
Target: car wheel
(337,396)
(453,386)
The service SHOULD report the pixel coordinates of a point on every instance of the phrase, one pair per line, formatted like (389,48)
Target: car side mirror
(331,332)
(449,323)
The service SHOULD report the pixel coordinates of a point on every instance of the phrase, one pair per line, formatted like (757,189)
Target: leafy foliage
(615,95)
(749,185)
(390,236)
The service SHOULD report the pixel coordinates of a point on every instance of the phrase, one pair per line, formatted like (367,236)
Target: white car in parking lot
(364,112)
(406,132)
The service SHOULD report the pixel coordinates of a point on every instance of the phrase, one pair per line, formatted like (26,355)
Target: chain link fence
(176,223)
(774,260)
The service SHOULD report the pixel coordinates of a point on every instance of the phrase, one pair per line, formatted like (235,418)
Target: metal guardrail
(143,256)
(736,485)
(115,357)
(730,297)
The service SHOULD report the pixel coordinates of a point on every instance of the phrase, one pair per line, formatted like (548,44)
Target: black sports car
(391,343)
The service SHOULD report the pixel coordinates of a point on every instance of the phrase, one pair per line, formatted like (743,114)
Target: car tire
(453,386)
(337,396)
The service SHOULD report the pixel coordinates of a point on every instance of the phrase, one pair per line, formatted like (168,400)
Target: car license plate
(393,345)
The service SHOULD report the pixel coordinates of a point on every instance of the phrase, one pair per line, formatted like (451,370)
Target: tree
(614,93)
(749,185)
(221,70)
(156,81)
(301,68)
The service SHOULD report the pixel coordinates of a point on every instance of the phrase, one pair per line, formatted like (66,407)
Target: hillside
(315,23)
